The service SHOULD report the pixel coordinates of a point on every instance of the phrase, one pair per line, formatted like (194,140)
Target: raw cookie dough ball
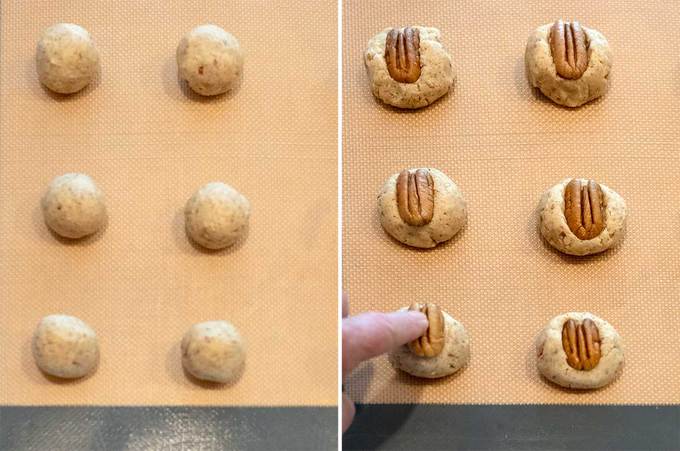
(213,351)
(581,87)
(429,62)
(66,57)
(210,60)
(579,350)
(73,206)
(604,233)
(454,355)
(217,216)
(446,210)
(64,346)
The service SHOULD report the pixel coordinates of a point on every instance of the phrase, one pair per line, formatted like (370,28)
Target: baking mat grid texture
(149,144)
(504,144)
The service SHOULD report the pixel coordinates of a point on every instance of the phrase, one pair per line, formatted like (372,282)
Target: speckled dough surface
(542,74)
(436,77)
(73,206)
(210,60)
(66,58)
(217,216)
(454,356)
(214,351)
(64,346)
(554,228)
(552,360)
(450,214)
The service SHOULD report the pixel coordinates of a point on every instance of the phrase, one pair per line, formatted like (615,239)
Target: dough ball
(572,93)
(210,60)
(213,351)
(436,76)
(552,359)
(217,216)
(448,218)
(64,346)
(556,231)
(454,356)
(67,58)
(73,206)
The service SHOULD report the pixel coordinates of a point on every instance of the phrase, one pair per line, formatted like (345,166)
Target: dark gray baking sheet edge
(514,427)
(160,428)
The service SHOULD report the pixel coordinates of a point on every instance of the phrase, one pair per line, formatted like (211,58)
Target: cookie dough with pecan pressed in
(443,350)
(579,350)
(408,67)
(568,62)
(214,351)
(421,207)
(582,217)
(64,346)
(66,58)
(210,60)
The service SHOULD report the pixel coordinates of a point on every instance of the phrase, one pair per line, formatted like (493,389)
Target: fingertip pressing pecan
(402,54)
(415,196)
(584,208)
(569,47)
(432,343)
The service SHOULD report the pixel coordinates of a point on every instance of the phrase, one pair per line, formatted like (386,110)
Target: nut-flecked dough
(73,206)
(552,360)
(554,228)
(213,351)
(217,216)
(210,60)
(572,93)
(66,58)
(454,356)
(450,214)
(64,346)
(436,76)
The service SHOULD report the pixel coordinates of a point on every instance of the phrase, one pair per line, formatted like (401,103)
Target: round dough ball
(73,206)
(210,60)
(213,351)
(66,58)
(552,360)
(572,93)
(454,356)
(436,76)
(64,346)
(449,215)
(556,231)
(217,216)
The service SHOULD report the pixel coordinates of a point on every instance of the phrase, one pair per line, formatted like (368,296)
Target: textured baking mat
(505,144)
(149,144)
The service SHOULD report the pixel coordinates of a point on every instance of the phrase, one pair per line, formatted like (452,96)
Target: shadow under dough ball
(66,58)
(214,351)
(210,60)
(73,206)
(64,346)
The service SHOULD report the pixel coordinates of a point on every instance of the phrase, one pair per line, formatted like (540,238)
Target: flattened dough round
(214,351)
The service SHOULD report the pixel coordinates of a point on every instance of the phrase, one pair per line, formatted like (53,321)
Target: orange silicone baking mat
(149,144)
(504,144)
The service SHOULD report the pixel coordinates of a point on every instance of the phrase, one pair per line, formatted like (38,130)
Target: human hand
(369,335)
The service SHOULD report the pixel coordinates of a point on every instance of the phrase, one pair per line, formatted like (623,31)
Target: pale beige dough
(554,228)
(454,356)
(73,206)
(436,76)
(214,351)
(210,60)
(450,213)
(572,93)
(66,58)
(552,360)
(64,346)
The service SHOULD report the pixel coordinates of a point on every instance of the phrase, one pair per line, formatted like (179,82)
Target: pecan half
(402,54)
(432,343)
(581,343)
(584,209)
(569,46)
(415,196)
